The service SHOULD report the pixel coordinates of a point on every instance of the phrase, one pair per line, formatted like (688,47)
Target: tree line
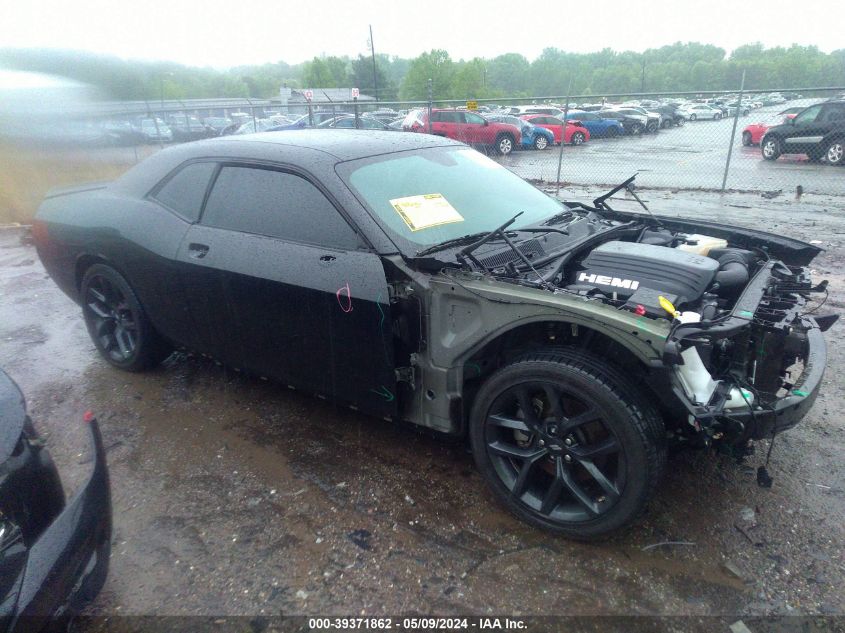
(674,68)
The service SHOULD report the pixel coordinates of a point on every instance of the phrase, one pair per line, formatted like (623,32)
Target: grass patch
(27,173)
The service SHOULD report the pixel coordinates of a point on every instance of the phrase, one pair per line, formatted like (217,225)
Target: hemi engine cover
(623,267)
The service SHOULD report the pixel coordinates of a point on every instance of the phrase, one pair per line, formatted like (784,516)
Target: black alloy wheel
(117,323)
(567,444)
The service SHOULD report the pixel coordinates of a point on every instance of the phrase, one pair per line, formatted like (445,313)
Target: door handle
(197,251)
(327,258)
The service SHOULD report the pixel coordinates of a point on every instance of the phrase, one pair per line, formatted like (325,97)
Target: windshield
(428,196)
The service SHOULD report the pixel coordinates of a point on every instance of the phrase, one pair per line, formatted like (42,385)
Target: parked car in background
(753,133)
(653,120)
(123,133)
(699,111)
(817,131)
(155,130)
(671,115)
(217,124)
(324,115)
(575,134)
(288,123)
(596,124)
(533,136)
(54,553)
(467,127)
(188,129)
(348,123)
(632,122)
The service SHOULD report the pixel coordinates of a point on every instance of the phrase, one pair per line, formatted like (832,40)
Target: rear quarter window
(184,191)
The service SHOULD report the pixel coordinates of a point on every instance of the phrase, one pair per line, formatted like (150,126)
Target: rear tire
(540,142)
(567,443)
(504,144)
(693,117)
(637,129)
(577,138)
(746,139)
(717,116)
(117,323)
(652,127)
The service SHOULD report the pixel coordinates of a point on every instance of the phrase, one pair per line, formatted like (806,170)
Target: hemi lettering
(613,282)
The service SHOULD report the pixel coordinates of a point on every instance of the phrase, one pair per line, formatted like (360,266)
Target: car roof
(310,148)
(349,145)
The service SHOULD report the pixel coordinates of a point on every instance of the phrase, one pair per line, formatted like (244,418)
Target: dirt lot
(235,496)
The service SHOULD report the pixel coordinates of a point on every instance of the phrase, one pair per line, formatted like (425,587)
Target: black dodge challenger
(412,278)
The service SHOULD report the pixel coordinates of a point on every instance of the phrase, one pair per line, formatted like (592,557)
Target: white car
(695,111)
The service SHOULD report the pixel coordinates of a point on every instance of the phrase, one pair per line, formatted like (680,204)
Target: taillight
(39,232)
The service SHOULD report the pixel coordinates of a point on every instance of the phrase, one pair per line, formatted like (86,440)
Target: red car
(467,127)
(575,132)
(753,133)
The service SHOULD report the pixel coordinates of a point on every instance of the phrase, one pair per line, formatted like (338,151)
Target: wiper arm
(466,253)
(455,241)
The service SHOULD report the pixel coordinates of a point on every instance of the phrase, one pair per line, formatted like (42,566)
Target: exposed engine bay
(740,307)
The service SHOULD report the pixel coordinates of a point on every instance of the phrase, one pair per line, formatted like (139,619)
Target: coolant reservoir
(697,382)
(703,244)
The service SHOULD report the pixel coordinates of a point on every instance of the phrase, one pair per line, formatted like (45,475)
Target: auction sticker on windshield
(422,212)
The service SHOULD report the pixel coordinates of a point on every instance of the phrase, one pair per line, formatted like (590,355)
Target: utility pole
(642,78)
(373,51)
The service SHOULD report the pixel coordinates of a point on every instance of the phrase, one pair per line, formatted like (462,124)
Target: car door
(805,131)
(475,129)
(282,287)
(442,125)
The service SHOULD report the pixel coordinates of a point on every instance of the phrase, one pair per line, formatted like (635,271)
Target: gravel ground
(234,496)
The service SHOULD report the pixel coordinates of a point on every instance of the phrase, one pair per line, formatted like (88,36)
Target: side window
(808,116)
(277,204)
(436,117)
(345,123)
(473,118)
(453,117)
(834,113)
(185,190)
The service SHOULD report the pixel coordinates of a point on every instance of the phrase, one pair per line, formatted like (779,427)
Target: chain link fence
(683,141)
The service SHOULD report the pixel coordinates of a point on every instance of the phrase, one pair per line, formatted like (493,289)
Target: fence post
(733,131)
(430,95)
(563,136)
(355,105)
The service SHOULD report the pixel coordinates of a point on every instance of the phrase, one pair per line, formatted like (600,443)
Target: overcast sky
(223,34)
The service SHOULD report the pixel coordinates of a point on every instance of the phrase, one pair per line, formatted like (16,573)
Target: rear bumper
(68,564)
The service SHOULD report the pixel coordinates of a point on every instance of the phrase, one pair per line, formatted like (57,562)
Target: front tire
(717,116)
(612,132)
(835,152)
(693,117)
(117,323)
(771,148)
(540,142)
(652,127)
(567,444)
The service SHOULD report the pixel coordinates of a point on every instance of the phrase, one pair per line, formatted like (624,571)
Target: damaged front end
(755,371)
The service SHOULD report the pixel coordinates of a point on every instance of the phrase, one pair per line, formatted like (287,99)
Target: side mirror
(486,123)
